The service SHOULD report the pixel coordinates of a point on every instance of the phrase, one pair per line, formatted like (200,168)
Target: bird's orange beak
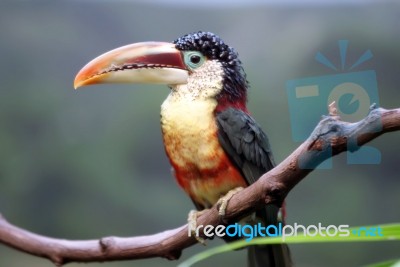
(147,62)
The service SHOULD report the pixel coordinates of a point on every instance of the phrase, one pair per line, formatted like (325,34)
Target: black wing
(245,143)
(248,147)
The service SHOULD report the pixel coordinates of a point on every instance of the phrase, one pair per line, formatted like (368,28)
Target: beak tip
(77,85)
(80,81)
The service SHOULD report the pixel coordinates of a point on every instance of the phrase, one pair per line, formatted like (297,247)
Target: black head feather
(213,47)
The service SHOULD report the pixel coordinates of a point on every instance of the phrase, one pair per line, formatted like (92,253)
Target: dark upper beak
(147,62)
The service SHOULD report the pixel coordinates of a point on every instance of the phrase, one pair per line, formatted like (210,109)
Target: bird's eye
(193,59)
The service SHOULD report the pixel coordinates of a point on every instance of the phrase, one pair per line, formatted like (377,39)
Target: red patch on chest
(206,186)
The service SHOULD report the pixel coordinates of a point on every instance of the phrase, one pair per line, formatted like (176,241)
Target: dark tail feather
(269,255)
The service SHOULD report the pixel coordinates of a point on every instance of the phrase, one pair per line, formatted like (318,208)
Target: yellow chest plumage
(189,131)
(190,136)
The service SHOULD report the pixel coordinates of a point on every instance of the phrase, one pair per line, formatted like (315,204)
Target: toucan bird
(212,142)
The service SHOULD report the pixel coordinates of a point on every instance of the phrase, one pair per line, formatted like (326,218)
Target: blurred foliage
(89,163)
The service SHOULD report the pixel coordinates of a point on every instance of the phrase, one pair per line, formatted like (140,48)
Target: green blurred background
(90,163)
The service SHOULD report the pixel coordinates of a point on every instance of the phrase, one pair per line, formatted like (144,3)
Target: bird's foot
(192,224)
(223,202)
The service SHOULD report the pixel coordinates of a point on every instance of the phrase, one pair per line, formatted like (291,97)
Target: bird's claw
(192,224)
(223,202)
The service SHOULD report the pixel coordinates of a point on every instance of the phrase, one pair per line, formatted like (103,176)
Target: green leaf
(389,263)
(390,232)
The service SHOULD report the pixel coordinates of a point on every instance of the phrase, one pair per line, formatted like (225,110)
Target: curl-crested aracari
(212,142)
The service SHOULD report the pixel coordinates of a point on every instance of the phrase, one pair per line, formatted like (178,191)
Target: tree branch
(329,138)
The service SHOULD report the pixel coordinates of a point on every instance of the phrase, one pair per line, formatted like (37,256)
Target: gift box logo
(353,91)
